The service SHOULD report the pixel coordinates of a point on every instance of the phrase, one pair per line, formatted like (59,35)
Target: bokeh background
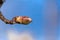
(45,16)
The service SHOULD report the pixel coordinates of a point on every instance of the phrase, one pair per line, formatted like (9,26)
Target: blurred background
(45,16)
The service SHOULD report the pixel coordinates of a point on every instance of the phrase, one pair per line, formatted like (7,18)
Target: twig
(5,20)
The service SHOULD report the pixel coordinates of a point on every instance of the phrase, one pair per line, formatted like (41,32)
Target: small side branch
(18,19)
(5,20)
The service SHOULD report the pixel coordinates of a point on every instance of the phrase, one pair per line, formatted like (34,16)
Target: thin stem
(5,20)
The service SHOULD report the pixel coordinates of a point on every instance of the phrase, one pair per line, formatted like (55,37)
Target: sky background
(31,8)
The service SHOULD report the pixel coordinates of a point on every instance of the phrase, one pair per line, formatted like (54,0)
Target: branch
(6,20)
(1,2)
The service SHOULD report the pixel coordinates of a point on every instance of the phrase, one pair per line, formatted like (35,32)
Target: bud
(23,20)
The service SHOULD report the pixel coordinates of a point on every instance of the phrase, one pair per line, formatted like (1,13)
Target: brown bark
(5,20)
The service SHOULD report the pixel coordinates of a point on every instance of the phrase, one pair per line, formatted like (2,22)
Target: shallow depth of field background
(41,15)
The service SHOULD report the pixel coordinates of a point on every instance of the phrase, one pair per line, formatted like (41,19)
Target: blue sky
(31,8)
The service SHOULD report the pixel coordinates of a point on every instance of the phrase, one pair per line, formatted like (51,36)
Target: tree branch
(5,20)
